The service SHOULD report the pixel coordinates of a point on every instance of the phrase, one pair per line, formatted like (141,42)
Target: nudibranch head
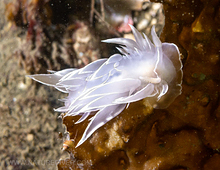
(144,70)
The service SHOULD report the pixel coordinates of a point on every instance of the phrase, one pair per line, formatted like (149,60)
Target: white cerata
(104,87)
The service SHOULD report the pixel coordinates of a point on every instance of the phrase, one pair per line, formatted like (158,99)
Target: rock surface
(184,136)
(187,134)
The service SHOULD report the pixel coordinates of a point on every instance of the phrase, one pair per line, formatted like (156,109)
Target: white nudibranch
(143,70)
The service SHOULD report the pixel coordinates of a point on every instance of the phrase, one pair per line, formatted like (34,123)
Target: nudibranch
(143,69)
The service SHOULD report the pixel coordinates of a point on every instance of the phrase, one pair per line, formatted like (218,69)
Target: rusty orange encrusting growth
(187,134)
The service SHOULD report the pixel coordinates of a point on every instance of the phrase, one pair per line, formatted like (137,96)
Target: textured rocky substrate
(184,136)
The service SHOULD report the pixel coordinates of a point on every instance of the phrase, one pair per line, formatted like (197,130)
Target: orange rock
(186,134)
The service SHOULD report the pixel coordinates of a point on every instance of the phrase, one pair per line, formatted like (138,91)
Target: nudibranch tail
(143,70)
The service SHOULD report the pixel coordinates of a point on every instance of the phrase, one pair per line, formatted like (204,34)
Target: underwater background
(41,35)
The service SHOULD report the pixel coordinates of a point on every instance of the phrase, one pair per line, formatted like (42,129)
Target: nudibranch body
(104,87)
